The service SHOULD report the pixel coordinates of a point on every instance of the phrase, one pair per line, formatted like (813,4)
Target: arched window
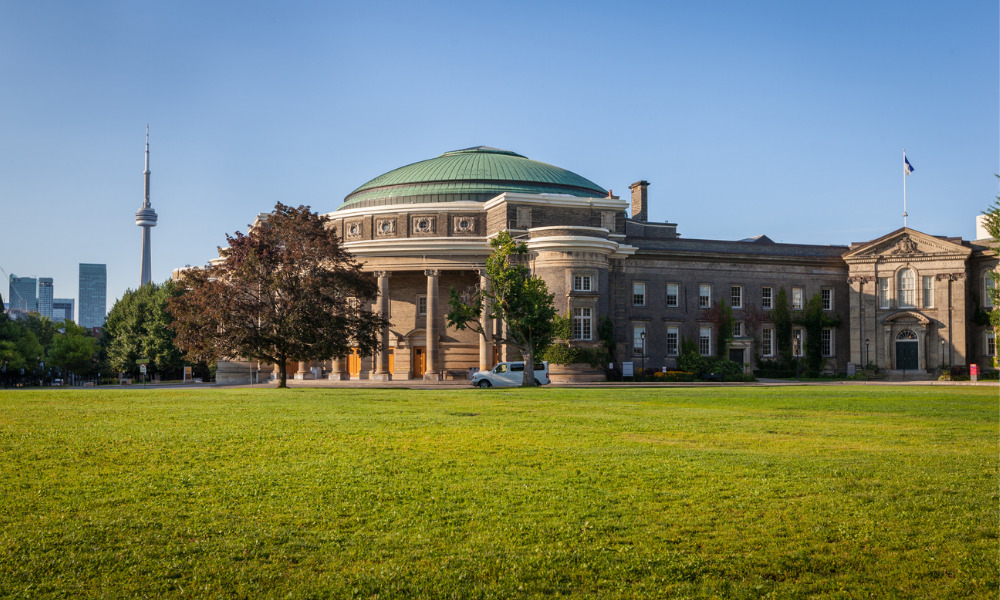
(988,285)
(907,288)
(906,334)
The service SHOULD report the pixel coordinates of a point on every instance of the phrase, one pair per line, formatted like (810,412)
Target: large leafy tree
(286,290)
(138,326)
(73,348)
(992,223)
(520,299)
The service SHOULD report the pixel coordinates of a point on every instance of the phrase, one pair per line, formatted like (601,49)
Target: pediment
(905,317)
(905,244)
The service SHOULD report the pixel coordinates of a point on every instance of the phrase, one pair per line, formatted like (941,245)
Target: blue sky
(779,118)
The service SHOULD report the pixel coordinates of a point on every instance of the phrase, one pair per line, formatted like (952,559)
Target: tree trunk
(529,367)
(282,372)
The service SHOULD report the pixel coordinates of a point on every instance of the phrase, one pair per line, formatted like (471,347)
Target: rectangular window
(421,305)
(582,323)
(581,283)
(991,343)
(798,342)
(738,329)
(928,291)
(638,294)
(767,297)
(672,292)
(796,298)
(737,296)
(705,341)
(639,340)
(672,339)
(767,341)
(704,296)
(826,294)
(826,342)
(883,292)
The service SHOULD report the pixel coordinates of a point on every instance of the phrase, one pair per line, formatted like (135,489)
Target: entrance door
(354,362)
(419,361)
(392,360)
(736,355)
(906,356)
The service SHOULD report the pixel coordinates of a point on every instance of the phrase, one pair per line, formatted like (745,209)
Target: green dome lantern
(472,174)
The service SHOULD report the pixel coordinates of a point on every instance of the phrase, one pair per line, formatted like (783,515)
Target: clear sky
(780,118)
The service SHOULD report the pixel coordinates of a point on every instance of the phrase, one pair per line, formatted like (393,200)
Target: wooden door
(354,362)
(419,361)
(392,360)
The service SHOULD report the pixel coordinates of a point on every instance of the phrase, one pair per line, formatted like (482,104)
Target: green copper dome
(477,174)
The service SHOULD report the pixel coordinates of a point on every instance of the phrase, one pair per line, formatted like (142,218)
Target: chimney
(640,205)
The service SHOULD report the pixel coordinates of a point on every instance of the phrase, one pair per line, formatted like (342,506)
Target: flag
(907,167)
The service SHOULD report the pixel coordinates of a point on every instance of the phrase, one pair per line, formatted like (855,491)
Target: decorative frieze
(385,227)
(353,230)
(423,225)
(463,225)
(523,217)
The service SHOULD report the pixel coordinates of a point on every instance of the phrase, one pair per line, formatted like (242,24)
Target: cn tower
(145,217)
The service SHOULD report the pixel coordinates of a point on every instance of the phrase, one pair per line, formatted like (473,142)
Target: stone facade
(907,301)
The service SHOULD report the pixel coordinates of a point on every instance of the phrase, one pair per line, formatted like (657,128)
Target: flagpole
(904,187)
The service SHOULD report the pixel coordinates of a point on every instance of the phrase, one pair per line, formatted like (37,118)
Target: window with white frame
(991,343)
(673,290)
(826,295)
(906,289)
(927,291)
(796,298)
(639,340)
(421,305)
(767,297)
(738,329)
(736,294)
(704,296)
(673,337)
(988,285)
(705,341)
(638,294)
(583,321)
(883,292)
(581,283)
(798,342)
(767,341)
(826,342)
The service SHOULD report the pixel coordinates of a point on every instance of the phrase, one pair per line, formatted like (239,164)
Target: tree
(815,319)
(992,223)
(287,290)
(138,326)
(782,316)
(516,297)
(722,315)
(73,348)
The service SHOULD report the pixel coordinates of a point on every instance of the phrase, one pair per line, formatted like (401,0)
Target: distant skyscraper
(145,217)
(63,308)
(22,294)
(93,295)
(45,296)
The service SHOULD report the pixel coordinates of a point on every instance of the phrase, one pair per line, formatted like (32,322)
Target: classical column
(486,340)
(382,365)
(431,370)
(304,372)
(338,372)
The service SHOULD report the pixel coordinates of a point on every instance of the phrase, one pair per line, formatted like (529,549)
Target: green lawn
(791,492)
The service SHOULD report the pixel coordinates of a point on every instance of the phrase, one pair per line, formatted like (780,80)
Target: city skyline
(786,119)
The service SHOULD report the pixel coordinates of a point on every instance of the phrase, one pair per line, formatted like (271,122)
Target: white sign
(628,369)
(142,369)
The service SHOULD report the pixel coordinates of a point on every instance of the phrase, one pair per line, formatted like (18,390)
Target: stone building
(906,301)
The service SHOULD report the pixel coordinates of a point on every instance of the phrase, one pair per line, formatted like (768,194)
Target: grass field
(792,492)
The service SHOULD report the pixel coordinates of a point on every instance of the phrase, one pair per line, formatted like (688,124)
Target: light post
(642,336)
(797,346)
(943,364)
(867,357)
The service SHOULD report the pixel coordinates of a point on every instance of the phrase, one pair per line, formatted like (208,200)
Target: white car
(509,374)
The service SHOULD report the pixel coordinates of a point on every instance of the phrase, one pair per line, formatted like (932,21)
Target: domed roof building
(903,302)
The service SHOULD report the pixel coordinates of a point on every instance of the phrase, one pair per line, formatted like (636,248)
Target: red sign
(973,370)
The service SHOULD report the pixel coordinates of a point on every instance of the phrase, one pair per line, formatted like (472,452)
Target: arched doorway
(907,351)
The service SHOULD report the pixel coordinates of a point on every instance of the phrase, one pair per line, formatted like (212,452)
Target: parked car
(509,374)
